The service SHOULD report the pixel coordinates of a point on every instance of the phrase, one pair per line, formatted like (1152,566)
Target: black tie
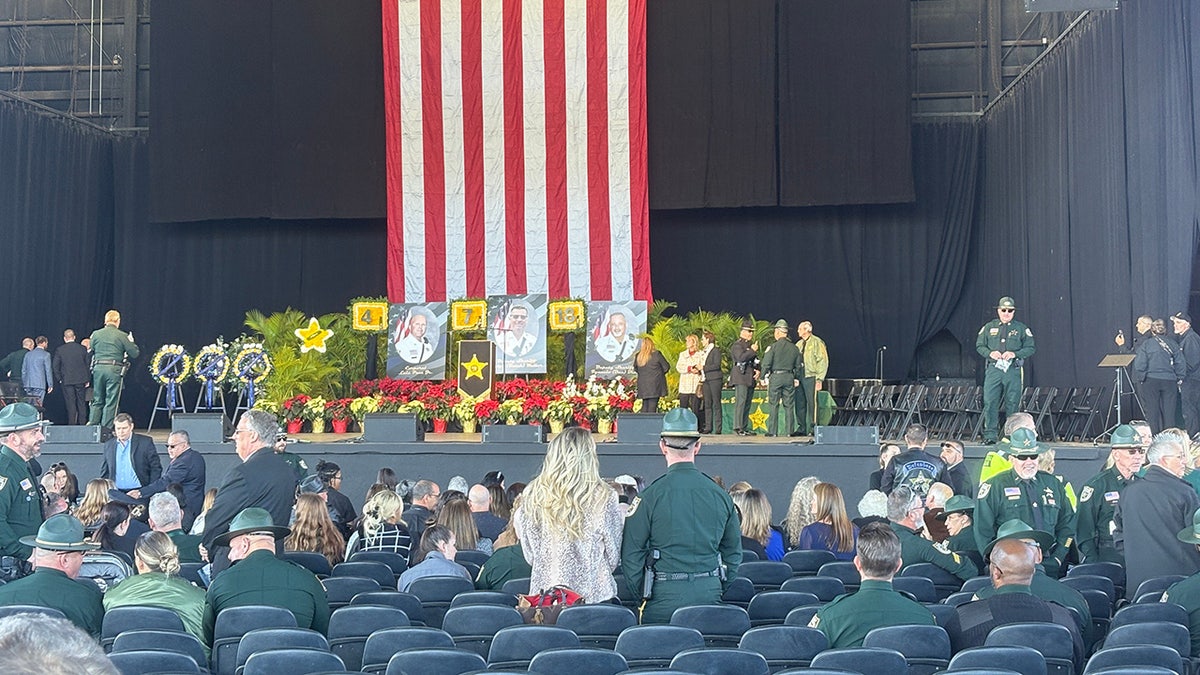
(1031,496)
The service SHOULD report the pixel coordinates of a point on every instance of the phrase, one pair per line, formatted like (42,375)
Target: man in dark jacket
(130,459)
(714,381)
(262,480)
(187,468)
(743,376)
(1158,368)
(913,468)
(1189,344)
(74,375)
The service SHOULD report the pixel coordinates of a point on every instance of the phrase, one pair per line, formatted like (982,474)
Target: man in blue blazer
(130,460)
(187,468)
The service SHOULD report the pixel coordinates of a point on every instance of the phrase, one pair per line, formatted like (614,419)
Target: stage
(771,464)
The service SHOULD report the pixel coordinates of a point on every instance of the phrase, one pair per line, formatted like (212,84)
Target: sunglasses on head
(1025,458)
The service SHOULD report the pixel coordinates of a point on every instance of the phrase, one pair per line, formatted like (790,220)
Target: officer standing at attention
(20,499)
(1005,344)
(1027,494)
(782,368)
(682,543)
(742,376)
(111,350)
(1100,495)
(847,619)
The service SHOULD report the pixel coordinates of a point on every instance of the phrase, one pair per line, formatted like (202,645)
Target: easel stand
(243,402)
(1120,365)
(218,395)
(162,403)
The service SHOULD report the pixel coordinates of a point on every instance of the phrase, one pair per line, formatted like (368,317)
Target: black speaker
(846,435)
(392,428)
(72,434)
(639,427)
(513,433)
(203,427)
(1068,5)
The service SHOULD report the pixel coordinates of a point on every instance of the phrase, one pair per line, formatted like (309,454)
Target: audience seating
(654,646)
(396,562)
(785,646)
(1100,607)
(435,662)
(721,625)
(518,586)
(436,593)
(341,590)
(806,563)
(772,607)
(1152,611)
(313,562)
(766,575)
(473,626)
(476,557)
(1114,571)
(865,660)
(920,588)
(578,661)
(728,661)
(825,588)
(1134,670)
(349,628)
(137,617)
(975,583)
(944,582)
(9,610)
(1136,655)
(597,626)
(740,592)
(1024,660)
(1096,582)
(150,661)
(234,622)
(293,662)
(979,671)
(191,572)
(1051,639)
(960,598)
(369,569)
(1157,584)
(942,613)
(749,556)
(926,649)
(484,598)
(161,641)
(1162,633)
(801,616)
(269,639)
(382,644)
(844,570)
(515,646)
(405,602)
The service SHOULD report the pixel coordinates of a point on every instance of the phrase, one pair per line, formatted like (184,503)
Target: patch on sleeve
(303,465)
(633,506)
(3,482)
(816,620)
(1086,494)
(942,548)
(25,484)
(984,490)
(1028,333)
(1164,597)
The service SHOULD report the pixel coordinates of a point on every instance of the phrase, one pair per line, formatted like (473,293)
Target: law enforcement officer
(1005,344)
(958,518)
(782,368)
(1186,593)
(111,350)
(58,550)
(682,543)
(1100,495)
(848,618)
(1025,493)
(20,500)
(743,376)
(906,509)
(295,461)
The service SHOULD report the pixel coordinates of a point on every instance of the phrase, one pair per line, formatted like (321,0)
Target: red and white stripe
(516,149)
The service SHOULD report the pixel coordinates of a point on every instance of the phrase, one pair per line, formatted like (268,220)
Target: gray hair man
(906,509)
(166,517)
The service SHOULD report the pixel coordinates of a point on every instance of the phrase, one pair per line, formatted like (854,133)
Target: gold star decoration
(313,336)
(474,367)
(758,418)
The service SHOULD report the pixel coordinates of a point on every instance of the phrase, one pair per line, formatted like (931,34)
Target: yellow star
(474,367)
(313,337)
(758,418)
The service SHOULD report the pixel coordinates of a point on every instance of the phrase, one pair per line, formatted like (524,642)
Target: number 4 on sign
(369,316)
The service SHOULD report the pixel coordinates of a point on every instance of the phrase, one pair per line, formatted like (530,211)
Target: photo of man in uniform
(513,334)
(411,339)
(614,343)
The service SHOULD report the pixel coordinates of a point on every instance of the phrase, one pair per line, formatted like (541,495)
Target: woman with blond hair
(757,533)
(381,528)
(210,496)
(94,499)
(799,511)
(569,521)
(313,530)
(158,584)
(831,529)
(651,369)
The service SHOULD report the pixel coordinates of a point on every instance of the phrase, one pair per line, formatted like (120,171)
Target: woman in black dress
(651,369)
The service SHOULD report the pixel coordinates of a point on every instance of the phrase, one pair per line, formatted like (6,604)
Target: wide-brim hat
(1125,436)
(1023,442)
(957,504)
(253,519)
(681,423)
(60,532)
(1191,534)
(1006,303)
(1019,529)
(747,324)
(19,417)
(781,324)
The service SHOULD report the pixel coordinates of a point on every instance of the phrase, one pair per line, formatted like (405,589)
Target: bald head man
(489,524)
(1013,562)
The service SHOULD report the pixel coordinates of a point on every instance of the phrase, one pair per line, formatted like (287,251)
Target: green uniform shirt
(1012,337)
(1097,505)
(848,618)
(188,545)
(505,564)
(80,600)
(963,541)
(1006,496)
(296,462)
(692,523)
(1186,594)
(783,355)
(20,504)
(1053,590)
(917,549)
(262,579)
(158,590)
(113,344)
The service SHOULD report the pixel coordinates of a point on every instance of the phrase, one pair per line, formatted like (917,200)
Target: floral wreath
(170,364)
(210,366)
(251,366)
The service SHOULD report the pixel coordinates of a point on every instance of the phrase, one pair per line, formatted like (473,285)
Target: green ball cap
(680,422)
(1125,436)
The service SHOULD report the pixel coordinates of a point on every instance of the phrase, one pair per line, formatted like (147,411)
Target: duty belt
(108,362)
(685,576)
(780,371)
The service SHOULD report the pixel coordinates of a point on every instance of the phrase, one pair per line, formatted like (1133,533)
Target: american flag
(516,148)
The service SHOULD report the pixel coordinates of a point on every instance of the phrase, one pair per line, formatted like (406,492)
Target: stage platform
(771,464)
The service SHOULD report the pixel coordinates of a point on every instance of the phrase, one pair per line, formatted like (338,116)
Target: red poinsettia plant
(294,408)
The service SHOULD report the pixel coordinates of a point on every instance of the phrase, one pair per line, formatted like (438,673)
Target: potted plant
(361,406)
(464,412)
(533,408)
(293,410)
(441,407)
(512,410)
(559,411)
(487,411)
(338,412)
(314,411)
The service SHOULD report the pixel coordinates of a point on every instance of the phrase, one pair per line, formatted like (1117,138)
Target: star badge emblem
(313,336)
(474,367)
(758,418)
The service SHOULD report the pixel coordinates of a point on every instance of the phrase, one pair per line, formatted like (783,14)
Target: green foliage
(311,373)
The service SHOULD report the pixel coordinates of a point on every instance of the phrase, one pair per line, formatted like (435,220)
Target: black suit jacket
(188,469)
(142,454)
(71,364)
(263,480)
